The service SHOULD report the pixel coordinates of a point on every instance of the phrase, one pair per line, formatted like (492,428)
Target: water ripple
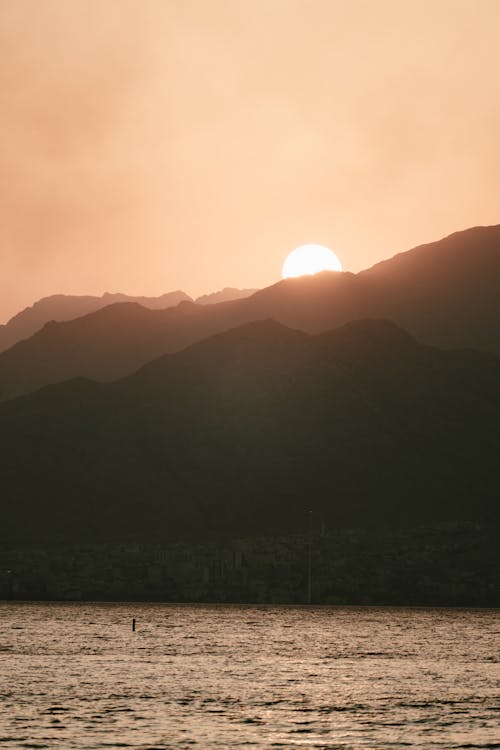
(75,677)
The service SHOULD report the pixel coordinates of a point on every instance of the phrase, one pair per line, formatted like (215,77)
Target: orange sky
(150,145)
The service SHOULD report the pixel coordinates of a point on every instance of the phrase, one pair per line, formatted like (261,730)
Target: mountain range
(372,399)
(60,307)
(244,432)
(444,293)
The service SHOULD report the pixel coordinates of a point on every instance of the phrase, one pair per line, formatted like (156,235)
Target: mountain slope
(445,294)
(243,432)
(224,295)
(60,307)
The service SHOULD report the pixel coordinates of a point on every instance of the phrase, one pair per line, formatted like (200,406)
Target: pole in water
(309,560)
(133,625)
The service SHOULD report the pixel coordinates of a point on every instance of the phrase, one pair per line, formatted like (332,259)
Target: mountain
(445,294)
(68,307)
(225,295)
(244,432)
(60,307)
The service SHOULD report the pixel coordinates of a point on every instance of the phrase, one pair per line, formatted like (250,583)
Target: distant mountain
(68,307)
(225,295)
(60,307)
(246,431)
(445,294)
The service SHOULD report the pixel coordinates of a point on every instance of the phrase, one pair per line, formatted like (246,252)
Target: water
(75,676)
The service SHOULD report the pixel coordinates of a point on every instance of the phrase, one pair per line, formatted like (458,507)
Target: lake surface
(76,676)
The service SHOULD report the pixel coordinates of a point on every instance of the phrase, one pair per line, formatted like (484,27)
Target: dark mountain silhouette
(242,433)
(446,294)
(60,307)
(68,307)
(225,295)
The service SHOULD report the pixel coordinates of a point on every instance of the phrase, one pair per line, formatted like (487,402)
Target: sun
(310,259)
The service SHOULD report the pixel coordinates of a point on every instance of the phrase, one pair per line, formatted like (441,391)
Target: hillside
(224,295)
(243,432)
(61,307)
(447,292)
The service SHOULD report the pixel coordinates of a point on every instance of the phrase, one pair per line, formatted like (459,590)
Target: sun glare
(308,260)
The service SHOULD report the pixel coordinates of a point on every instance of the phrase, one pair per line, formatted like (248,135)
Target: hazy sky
(150,145)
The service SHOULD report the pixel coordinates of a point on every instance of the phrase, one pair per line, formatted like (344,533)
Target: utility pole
(309,559)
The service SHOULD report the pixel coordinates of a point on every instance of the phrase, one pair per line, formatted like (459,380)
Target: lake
(76,676)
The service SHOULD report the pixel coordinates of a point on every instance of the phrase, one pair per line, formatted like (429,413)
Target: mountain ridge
(64,307)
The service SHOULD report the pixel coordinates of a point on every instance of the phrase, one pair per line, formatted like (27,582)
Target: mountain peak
(65,307)
(378,329)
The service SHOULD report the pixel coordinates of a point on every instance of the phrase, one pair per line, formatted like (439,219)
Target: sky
(152,145)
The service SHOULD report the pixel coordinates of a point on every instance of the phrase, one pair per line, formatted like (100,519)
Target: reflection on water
(76,676)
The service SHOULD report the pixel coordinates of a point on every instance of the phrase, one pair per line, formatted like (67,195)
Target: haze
(149,146)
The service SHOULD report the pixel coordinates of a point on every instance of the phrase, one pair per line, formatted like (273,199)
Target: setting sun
(310,259)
